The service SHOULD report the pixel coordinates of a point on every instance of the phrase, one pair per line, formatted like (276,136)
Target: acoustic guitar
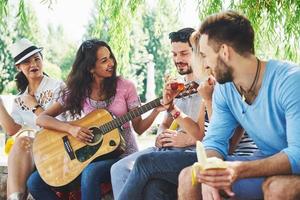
(60,158)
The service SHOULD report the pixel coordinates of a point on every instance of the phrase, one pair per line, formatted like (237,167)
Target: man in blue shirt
(262,96)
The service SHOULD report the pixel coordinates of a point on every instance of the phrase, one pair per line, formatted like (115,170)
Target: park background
(137,31)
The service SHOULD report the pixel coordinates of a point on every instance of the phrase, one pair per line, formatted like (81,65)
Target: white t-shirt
(46,94)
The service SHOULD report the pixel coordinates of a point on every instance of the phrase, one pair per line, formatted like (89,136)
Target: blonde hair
(197,62)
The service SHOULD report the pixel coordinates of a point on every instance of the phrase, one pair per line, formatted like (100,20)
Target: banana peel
(205,163)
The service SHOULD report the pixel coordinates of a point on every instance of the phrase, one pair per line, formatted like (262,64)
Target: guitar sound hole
(98,135)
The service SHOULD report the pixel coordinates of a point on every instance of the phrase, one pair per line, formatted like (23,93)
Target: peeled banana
(205,163)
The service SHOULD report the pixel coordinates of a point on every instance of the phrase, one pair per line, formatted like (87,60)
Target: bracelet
(176,115)
(35,108)
(170,104)
(171,107)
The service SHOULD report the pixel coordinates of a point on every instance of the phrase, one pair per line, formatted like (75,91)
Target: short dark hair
(182,35)
(231,28)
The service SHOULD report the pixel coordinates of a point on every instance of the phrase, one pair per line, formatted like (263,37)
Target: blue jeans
(157,189)
(248,188)
(95,173)
(121,170)
(162,165)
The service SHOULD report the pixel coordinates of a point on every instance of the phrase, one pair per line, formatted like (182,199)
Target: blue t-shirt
(273,119)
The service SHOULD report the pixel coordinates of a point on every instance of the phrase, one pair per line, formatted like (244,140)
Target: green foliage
(10,88)
(7,67)
(67,61)
(158,43)
(51,69)
(60,50)
(112,23)
(276,24)
(3,10)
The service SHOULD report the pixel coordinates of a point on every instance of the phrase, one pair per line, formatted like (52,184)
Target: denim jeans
(162,165)
(95,173)
(121,170)
(157,189)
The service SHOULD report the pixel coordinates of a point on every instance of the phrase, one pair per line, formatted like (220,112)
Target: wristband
(35,108)
(176,115)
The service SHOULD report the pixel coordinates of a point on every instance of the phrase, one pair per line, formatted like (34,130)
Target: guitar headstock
(189,89)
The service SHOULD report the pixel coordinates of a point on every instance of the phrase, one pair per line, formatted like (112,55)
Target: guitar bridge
(68,147)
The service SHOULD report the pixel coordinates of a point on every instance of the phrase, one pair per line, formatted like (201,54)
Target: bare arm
(187,124)
(7,122)
(141,125)
(223,179)
(47,120)
(205,90)
(273,165)
(166,123)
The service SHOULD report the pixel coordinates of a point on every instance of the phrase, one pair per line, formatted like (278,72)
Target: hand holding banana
(214,172)
(205,163)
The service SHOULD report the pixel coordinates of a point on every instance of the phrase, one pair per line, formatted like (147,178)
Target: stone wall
(3,177)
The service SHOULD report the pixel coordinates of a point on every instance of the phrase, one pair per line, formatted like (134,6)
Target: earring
(92,76)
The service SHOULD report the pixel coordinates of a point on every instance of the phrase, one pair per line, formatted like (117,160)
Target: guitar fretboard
(119,121)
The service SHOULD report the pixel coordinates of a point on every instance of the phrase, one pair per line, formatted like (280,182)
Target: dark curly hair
(79,81)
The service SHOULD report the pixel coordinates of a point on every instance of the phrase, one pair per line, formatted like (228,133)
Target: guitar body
(60,158)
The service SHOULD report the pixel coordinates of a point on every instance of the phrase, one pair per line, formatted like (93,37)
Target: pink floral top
(125,99)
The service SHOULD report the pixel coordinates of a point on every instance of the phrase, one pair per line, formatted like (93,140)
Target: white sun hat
(23,49)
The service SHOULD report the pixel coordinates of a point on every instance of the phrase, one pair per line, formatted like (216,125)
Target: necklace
(248,95)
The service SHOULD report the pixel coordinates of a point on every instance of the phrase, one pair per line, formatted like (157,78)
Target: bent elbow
(139,132)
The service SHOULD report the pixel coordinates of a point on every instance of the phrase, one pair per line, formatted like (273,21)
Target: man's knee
(143,160)
(184,175)
(185,188)
(282,187)
(273,185)
(118,169)
(183,180)
(22,144)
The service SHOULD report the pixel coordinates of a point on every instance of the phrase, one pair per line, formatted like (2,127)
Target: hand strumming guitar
(81,133)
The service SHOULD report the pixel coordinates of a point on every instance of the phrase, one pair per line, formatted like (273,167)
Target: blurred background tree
(276,24)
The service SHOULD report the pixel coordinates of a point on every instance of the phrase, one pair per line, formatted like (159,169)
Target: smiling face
(211,59)
(32,67)
(105,65)
(182,57)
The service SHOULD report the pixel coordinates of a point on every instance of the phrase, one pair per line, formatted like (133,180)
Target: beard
(183,71)
(223,72)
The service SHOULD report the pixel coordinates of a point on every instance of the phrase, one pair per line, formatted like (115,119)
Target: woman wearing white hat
(36,92)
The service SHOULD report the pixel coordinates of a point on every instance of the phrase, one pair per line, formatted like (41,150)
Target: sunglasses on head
(86,45)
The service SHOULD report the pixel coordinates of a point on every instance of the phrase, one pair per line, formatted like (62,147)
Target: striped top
(246,147)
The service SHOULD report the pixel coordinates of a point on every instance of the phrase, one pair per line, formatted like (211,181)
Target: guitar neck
(119,121)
